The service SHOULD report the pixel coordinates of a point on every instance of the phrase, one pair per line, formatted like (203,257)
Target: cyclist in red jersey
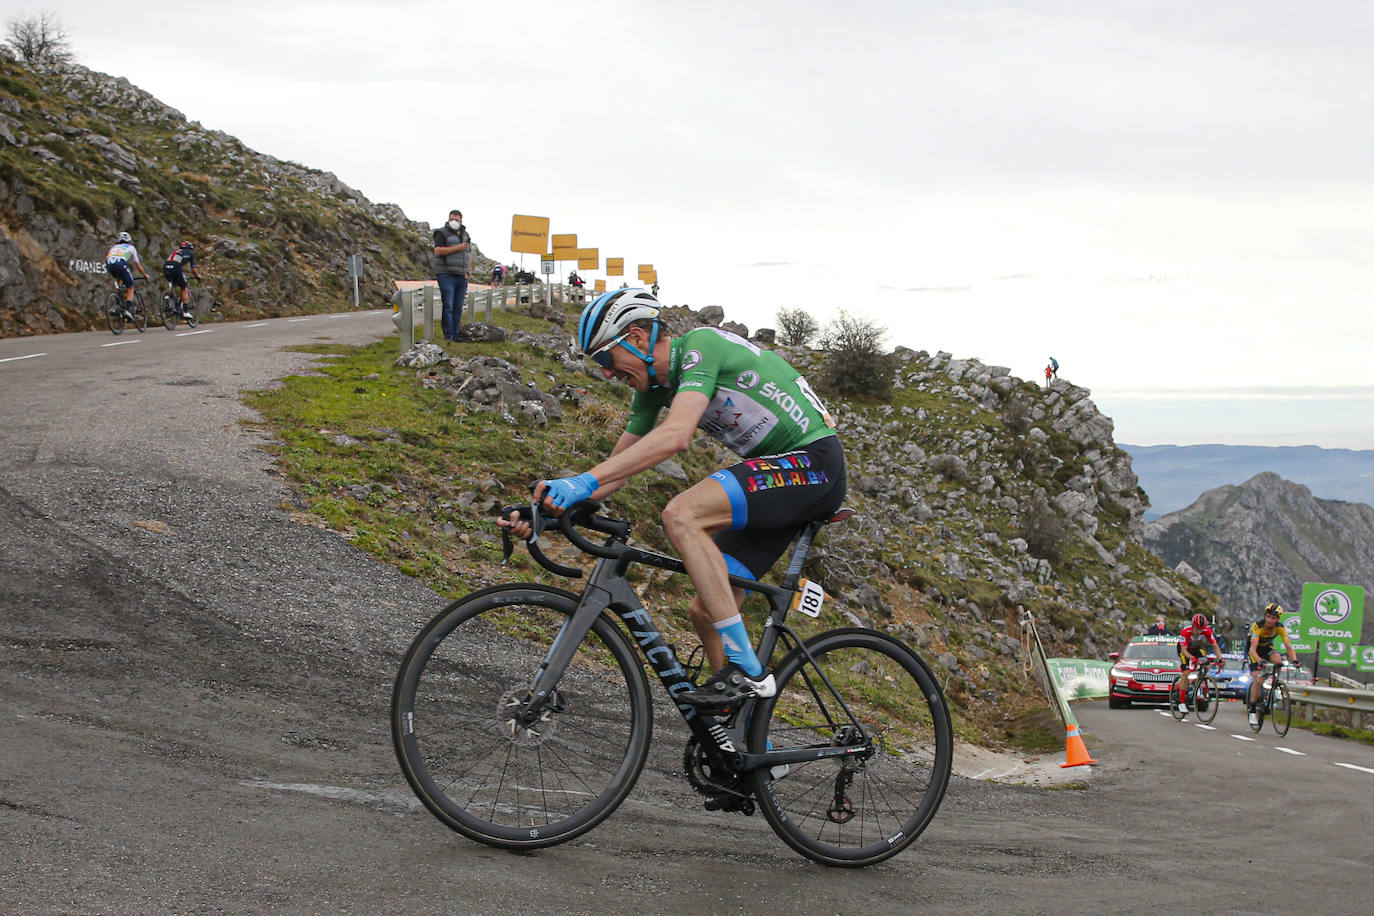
(1193,641)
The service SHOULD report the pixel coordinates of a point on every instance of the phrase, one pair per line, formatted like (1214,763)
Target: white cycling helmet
(125,237)
(610,314)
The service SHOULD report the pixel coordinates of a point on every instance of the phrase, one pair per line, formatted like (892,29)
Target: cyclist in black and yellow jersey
(1262,635)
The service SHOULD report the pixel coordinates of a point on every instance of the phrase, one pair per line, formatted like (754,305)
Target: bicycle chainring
(704,777)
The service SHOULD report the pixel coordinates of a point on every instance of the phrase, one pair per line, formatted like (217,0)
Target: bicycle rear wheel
(860,809)
(1204,702)
(169,312)
(479,771)
(1281,709)
(1177,706)
(114,313)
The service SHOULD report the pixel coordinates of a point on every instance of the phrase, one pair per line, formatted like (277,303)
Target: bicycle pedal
(738,803)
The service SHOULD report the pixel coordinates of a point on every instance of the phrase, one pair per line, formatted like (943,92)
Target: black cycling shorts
(174,274)
(773,497)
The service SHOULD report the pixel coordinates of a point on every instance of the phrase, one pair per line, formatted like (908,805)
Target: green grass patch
(1336,730)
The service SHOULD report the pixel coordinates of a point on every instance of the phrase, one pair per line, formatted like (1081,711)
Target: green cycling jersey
(760,405)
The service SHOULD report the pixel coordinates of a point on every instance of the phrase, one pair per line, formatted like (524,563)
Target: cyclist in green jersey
(741,518)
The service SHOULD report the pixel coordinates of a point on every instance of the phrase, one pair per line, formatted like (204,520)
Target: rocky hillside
(84,156)
(1260,541)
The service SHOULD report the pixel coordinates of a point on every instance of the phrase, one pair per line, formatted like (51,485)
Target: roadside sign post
(546,264)
(355,270)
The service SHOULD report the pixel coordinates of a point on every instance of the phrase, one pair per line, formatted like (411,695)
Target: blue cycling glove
(568,490)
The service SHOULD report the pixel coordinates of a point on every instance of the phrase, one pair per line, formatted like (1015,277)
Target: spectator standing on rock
(1054,367)
(1049,374)
(451,255)
(654,289)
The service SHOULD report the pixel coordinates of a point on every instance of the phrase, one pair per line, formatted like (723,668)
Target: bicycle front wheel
(114,314)
(1204,702)
(194,320)
(860,809)
(1177,701)
(140,314)
(169,313)
(1281,709)
(490,777)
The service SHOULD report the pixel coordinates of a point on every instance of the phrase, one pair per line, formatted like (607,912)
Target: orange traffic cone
(1075,751)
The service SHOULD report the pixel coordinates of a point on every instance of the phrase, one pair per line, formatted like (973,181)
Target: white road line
(260,324)
(1289,750)
(335,317)
(194,333)
(10,359)
(120,343)
(1242,737)
(1351,766)
(1210,728)
(297,319)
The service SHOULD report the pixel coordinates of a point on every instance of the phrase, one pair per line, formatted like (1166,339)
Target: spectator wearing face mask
(451,254)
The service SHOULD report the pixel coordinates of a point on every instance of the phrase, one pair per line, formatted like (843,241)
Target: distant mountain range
(1174,476)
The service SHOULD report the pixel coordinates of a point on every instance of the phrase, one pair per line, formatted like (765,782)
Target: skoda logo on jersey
(691,359)
(747,379)
(1332,606)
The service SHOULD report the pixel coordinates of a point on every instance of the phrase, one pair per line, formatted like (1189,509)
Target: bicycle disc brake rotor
(511,721)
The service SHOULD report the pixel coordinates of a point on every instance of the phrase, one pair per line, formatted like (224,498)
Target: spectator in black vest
(1161,627)
(451,247)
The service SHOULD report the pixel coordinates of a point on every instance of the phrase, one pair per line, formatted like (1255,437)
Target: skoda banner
(1079,678)
(1336,654)
(1364,658)
(1293,624)
(1332,611)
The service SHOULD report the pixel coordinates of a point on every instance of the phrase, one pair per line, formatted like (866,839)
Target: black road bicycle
(521,714)
(1274,701)
(1203,694)
(172,307)
(115,307)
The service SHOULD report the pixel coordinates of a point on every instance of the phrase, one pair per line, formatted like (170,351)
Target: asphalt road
(193,712)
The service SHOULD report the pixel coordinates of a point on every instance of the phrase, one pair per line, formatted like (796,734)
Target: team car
(1143,672)
(1234,678)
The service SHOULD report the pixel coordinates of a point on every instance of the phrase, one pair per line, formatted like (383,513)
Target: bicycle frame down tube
(647,636)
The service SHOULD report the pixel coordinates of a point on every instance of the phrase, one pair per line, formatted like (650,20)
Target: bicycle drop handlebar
(583,513)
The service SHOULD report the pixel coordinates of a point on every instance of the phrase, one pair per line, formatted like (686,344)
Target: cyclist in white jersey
(117,260)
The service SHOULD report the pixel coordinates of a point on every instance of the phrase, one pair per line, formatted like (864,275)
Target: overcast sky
(1175,199)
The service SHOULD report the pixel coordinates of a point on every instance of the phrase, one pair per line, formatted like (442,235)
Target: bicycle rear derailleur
(723,791)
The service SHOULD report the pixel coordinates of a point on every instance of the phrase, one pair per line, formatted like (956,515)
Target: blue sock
(735,639)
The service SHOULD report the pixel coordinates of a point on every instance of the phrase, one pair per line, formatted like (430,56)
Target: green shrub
(855,364)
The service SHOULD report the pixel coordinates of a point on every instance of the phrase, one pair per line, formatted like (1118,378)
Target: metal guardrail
(1361,701)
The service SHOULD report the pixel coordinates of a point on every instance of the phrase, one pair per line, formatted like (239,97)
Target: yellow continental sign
(599,286)
(645,270)
(589,259)
(529,234)
(615,267)
(563,241)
